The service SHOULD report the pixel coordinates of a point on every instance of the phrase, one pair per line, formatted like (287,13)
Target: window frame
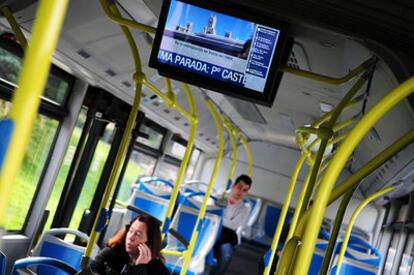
(47,107)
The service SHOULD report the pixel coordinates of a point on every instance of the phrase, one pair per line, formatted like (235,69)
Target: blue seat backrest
(186,224)
(316,264)
(151,207)
(2,264)
(272,218)
(350,269)
(66,254)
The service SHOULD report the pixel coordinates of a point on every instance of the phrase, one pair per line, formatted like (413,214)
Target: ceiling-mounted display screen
(220,47)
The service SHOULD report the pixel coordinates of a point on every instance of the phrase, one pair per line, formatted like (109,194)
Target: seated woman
(133,250)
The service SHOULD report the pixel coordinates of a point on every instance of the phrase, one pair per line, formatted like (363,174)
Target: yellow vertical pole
(352,221)
(283,213)
(32,80)
(188,253)
(230,129)
(248,154)
(318,208)
(138,79)
(15,27)
(193,122)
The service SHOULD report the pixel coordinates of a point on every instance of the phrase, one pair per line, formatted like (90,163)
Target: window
(139,165)
(57,86)
(64,169)
(154,139)
(168,171)
(94,174)
(51,113)
(37,152)
(192,163)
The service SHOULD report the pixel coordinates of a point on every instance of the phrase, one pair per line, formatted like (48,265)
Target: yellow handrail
(339,160)
(243,141)
(138,78)
(122,21)
(231,130)
(327,79)
(283,213)
(369,167)
(32,80)
(352,221)
(194,235)
(174,194)
(15,27)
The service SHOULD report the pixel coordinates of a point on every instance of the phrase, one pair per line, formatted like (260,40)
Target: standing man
(235,215)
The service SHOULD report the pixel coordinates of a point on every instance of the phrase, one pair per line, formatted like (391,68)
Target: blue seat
(266,225)
(183,223)
(360,257)
(50,245)
(2,263)
(152,197)
(351,267)
(51,263)
(254,205)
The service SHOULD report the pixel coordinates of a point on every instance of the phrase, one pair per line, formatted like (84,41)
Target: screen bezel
(280,55)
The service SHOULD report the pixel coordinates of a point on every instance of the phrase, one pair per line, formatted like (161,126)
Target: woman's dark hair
(153,234)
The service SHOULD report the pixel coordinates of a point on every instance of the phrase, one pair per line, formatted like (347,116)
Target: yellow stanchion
(330,80)
(15,27)
(122,21)
(231,130)
(138,78)
(352,221)
(318,208)
(283,213)
(193,122)
(189,252)
(243,140)
(32,80)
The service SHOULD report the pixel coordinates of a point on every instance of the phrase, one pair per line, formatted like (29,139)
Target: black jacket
(115,261)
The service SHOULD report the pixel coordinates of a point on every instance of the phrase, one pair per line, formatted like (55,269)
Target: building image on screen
(218,46)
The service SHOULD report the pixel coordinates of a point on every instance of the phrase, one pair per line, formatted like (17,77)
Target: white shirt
(235,215)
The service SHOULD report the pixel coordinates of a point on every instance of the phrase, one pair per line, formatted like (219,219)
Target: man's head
(240,188)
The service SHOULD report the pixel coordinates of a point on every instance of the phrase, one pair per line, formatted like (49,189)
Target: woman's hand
(145,255)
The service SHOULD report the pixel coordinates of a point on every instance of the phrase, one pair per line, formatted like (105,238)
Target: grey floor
(245,260)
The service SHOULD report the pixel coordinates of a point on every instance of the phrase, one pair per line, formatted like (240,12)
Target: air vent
(292,61)
(167,111)
(153,97)
(110,72)
(156,103)
(201,135)
(247,110)
(207,139)
(84,54)
(126,84)
(177,118)
(186,124)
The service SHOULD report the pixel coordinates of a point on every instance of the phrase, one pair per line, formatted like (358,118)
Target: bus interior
(332,157)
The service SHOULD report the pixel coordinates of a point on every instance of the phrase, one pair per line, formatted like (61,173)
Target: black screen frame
(280,56)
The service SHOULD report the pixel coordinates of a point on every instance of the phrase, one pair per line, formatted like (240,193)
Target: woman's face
(136,235)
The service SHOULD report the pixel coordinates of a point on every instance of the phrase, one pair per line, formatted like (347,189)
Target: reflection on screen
(217,45)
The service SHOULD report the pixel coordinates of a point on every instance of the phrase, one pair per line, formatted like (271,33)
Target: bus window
(64,169)
(139,164)
(192,163)
(154,139)
(168,171)
(58,84)
(93,176)
(37,152)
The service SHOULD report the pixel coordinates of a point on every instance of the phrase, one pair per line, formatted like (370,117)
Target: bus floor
(245,260)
